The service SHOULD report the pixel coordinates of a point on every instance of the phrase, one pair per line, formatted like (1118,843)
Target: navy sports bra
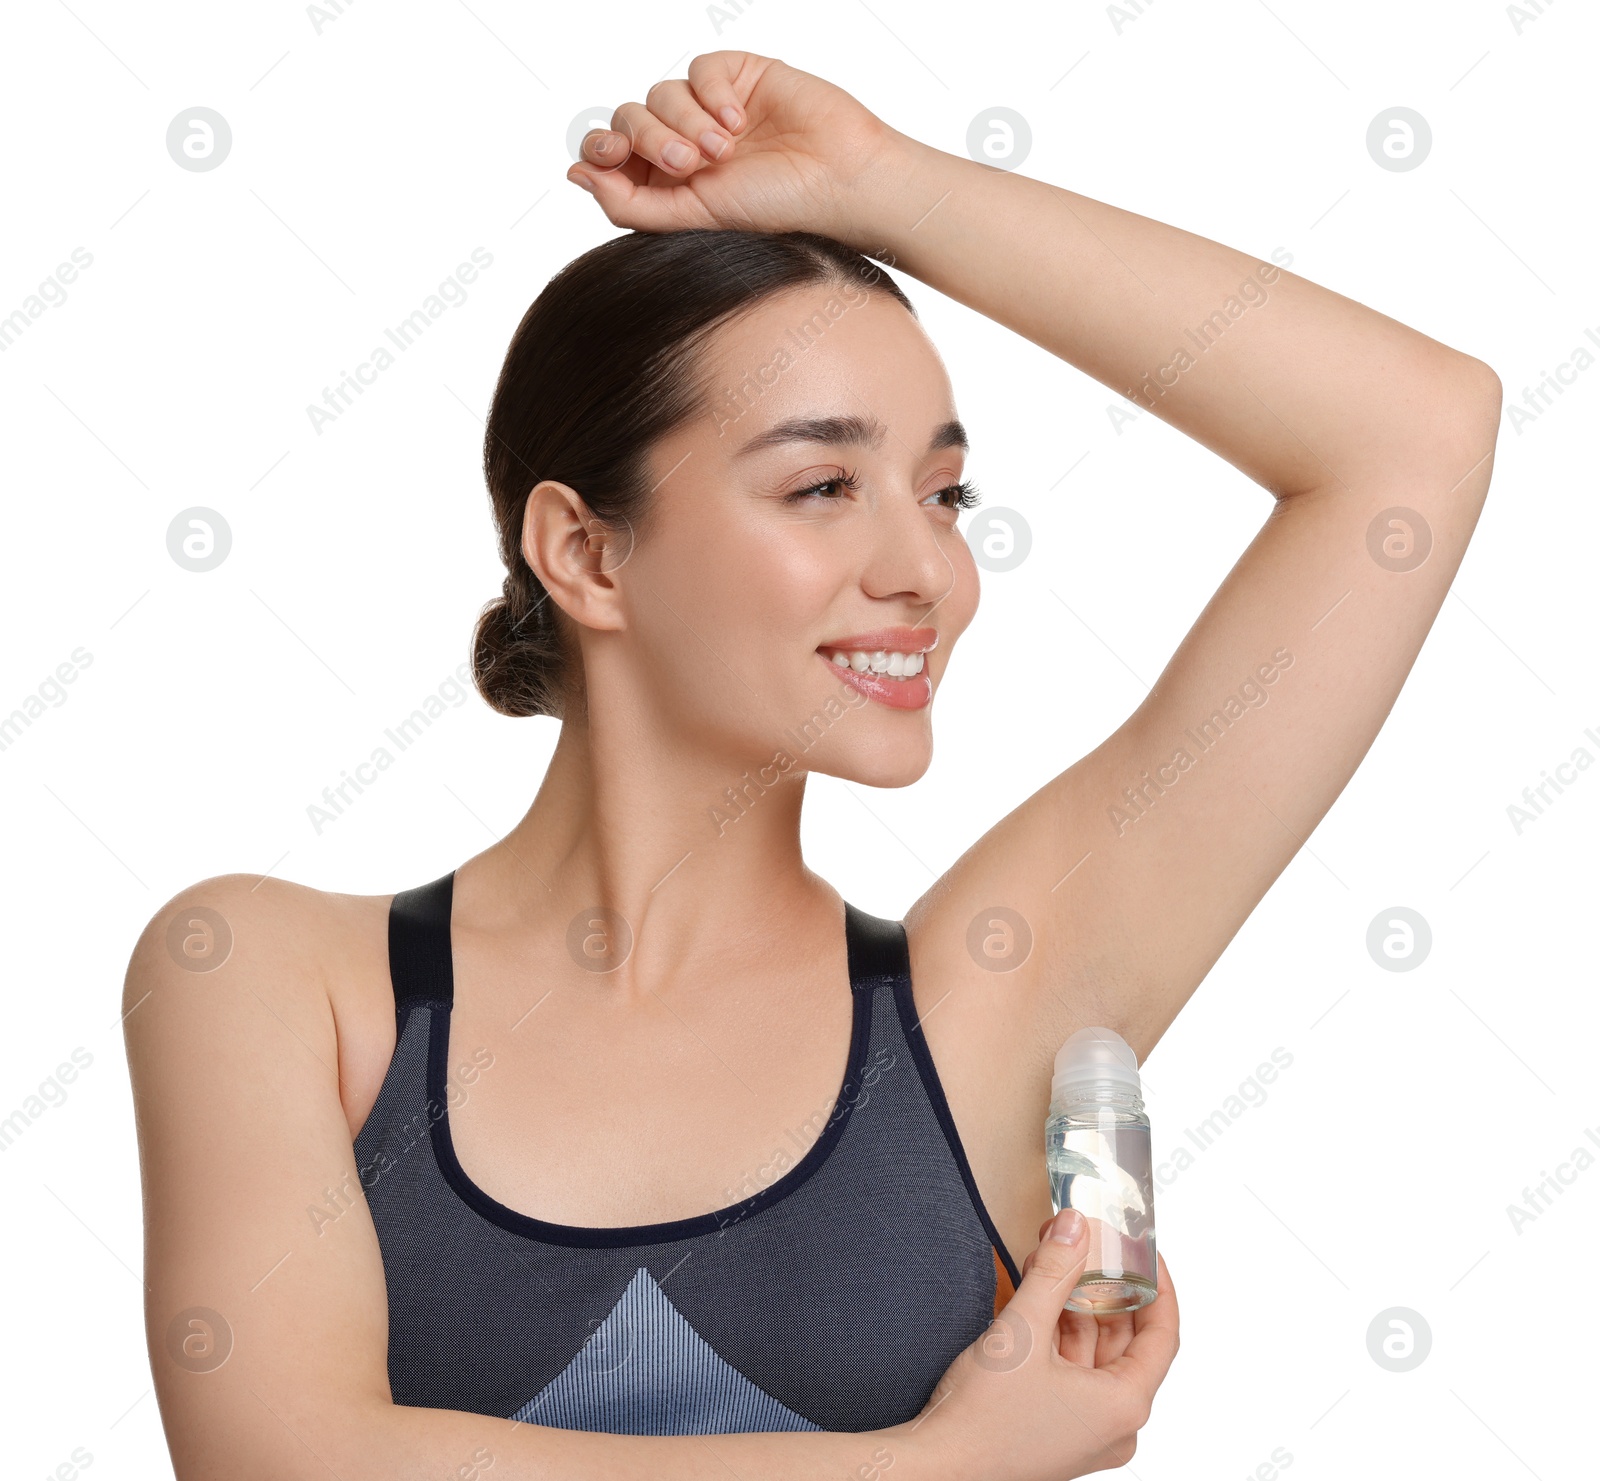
(833,1298)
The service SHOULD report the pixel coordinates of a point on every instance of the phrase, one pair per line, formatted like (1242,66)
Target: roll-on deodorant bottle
(1097,1150)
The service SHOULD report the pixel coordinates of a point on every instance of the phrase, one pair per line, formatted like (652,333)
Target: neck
(696,850)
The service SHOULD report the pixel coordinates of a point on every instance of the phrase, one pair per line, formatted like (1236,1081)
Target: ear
(574,554)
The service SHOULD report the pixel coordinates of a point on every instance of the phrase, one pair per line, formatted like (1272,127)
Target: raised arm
(1135,867)
(267,1328)
(1301,389)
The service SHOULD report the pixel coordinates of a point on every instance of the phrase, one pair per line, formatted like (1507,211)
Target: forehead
(825,350)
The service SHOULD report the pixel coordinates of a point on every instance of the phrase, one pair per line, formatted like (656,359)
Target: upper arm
(267,1326)
(1134,868)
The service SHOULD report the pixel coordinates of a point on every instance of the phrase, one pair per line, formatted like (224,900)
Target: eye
(848,480)
(963,495)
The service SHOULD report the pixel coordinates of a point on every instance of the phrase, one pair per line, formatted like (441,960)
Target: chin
(895,763)
(838,731)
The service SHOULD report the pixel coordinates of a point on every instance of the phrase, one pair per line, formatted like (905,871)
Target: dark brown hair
(602,365)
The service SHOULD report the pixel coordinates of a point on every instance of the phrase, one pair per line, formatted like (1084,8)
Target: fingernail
(1068,1227)
(729,115)
(677,155)
(604,143)
(582,179)
(713,144)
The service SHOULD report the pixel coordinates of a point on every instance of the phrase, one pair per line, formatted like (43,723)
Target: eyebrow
(847,430)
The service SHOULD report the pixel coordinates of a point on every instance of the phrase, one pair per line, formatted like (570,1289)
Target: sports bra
(833,1298)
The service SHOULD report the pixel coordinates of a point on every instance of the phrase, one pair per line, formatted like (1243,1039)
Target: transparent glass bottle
(1097,1150)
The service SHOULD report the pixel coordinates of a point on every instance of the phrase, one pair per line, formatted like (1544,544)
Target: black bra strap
(420,960)
(879,955)
(419,945)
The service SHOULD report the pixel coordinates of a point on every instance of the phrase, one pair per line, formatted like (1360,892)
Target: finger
(652,139)
(1093,1339)
(1113,1333)
(1154,1343)
(608,149)
(1053,1270)
(1166,1295)
(636,207)
(1117,1328)
(676,106)
(1044,1229)
(723,82)
(635,167)
(1078,1339)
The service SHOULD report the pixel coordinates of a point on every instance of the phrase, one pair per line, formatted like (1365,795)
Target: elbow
(1477,397)
(1455,425)
(1486,394)
(1485,401)
(352,1438)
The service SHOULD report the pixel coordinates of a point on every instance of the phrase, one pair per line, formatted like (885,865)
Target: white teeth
(895,665)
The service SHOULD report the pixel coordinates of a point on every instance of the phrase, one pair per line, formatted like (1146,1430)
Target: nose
(905,557)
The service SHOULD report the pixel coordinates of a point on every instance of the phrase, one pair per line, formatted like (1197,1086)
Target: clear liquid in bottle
(1097,1151)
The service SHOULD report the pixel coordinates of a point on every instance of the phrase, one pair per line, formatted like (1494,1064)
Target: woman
(428,1176)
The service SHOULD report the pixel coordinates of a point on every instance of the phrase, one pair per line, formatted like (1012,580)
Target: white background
(367,161)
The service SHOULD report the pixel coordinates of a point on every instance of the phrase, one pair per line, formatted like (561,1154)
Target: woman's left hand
(745,141)
(1089,1339)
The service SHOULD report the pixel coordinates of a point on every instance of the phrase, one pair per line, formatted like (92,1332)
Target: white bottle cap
(1095,1056)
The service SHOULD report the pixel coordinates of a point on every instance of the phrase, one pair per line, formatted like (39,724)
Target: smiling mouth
(886,663)
(892,677)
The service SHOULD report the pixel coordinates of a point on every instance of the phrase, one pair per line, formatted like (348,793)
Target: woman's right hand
(1045,1393)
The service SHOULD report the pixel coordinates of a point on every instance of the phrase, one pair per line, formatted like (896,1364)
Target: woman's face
(762,564)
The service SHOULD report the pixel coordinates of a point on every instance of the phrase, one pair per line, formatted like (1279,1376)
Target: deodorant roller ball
(1097,1150)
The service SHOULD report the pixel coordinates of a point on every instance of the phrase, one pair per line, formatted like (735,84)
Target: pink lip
(898,694)
(889,640)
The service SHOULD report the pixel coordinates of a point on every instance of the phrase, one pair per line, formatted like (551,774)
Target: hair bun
(516,652)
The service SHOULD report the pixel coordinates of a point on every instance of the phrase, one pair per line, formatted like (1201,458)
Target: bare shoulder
(294,938)
(237,950)
(238,1023)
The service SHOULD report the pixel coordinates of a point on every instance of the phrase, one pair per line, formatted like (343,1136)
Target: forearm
(1297,386)
(399,1443)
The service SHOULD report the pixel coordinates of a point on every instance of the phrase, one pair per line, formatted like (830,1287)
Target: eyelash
(966,492)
